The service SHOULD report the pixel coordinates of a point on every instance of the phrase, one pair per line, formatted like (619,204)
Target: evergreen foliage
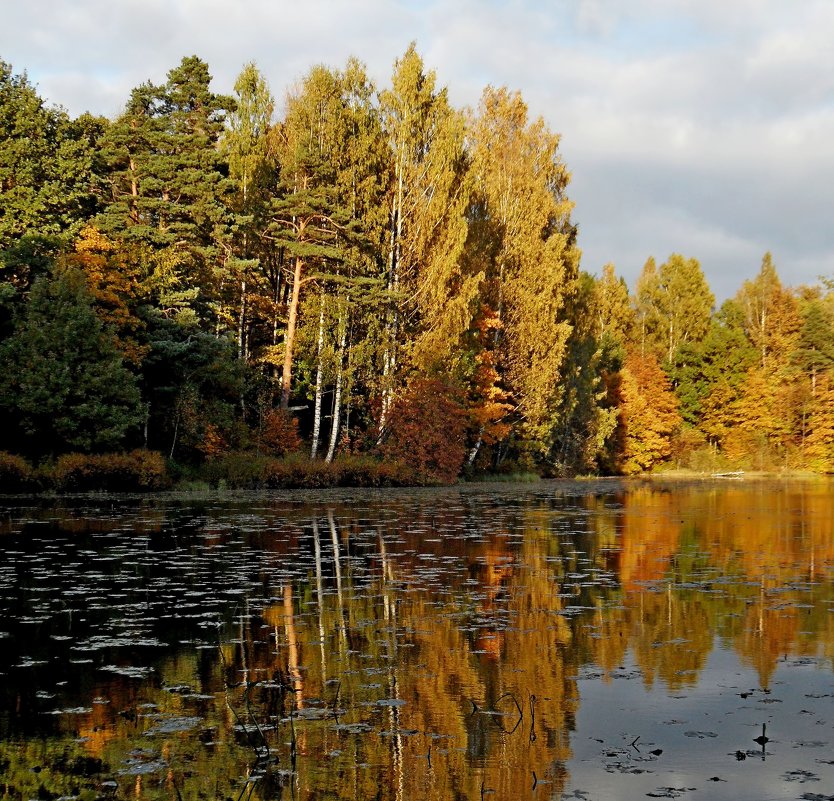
(64,383)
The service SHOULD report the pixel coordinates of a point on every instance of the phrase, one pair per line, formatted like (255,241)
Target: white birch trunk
(319,371)
(337,396)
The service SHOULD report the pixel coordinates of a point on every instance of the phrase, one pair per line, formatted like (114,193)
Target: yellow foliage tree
(521,186)
(648,414)
(115,284)
(819,443)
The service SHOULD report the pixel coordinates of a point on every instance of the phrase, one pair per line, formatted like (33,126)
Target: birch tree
(251,166)
(521,187)
(431,301)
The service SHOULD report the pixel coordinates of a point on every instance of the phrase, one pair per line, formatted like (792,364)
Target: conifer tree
(308,220)
(587,418)
(718,373)
(815,347)
(168,185)
(64,383)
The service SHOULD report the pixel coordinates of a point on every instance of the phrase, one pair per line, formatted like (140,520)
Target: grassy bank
(149,471)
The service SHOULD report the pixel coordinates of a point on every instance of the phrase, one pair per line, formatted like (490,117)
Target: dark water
(600,640)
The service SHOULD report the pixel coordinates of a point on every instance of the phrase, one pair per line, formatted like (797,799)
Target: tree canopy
(372,271)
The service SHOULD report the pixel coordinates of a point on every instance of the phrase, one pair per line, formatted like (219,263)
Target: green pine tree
(64,383)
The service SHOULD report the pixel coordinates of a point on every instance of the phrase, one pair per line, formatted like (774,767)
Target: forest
(360,285)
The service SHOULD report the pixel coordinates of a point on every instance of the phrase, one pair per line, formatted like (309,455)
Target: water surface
(595,640)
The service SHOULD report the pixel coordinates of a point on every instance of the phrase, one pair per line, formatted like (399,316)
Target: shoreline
(479,486)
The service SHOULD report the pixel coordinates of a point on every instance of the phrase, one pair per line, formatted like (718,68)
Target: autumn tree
(818,444)
(426,432)
(431,302)
(614,317)
(115,285)
(768,408)
(521,194)
(771,316)
(673,304)
(487,400)
(648,414)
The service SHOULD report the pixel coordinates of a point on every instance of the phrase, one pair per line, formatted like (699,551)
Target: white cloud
(702,126)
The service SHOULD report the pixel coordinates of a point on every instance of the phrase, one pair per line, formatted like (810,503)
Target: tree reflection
(431,651)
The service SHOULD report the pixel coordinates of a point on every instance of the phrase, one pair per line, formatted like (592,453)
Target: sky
(701,127)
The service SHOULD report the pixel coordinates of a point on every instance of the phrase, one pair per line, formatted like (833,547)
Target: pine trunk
(289,340)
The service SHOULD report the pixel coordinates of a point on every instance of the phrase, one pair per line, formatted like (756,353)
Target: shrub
(213,443)
(689,447)
(237,470)
(252,470)
(367,471)
(278,435)
(298,471)
(138,470)
(426,433)
(16,474)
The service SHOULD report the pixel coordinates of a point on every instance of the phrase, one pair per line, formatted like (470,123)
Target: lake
(594,640)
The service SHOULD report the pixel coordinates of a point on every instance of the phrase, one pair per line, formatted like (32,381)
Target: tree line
(373,271)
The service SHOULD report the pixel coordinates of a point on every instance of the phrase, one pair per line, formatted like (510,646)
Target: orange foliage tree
(115,286)
(648,414)
(487,400)
(278,433)
(819,443)
(426,431)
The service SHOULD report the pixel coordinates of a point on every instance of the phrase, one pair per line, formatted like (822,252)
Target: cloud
(697,126)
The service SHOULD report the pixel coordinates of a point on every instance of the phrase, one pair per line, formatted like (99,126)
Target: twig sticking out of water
(763,740)
(248,784)
(231,708)
(517,706)
(335,705)
(254,719)
(533,721)
(293,742)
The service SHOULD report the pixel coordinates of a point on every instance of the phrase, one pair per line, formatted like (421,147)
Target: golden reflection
(410,659)
(740,563)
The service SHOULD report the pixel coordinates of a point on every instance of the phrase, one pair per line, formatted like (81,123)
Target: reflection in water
(595,640)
